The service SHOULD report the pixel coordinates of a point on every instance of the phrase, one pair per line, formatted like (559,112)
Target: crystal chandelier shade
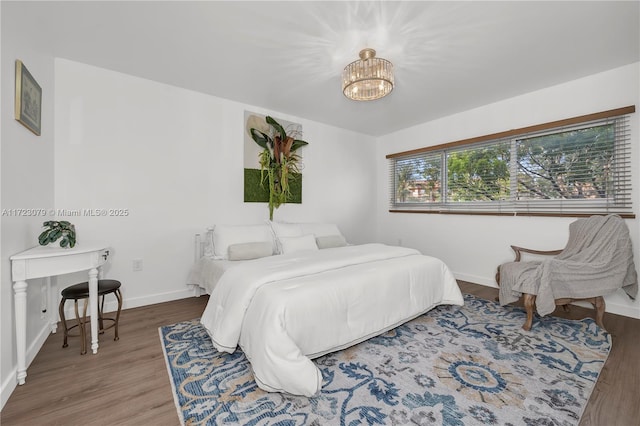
(367,79)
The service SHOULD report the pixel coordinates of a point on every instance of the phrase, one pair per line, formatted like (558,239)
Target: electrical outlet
(137,265)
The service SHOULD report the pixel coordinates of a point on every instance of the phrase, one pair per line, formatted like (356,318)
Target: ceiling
(287,56)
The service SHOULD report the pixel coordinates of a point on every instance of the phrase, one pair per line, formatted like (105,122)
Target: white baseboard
(10,383)
(150,300)
(618,309)
(476,279)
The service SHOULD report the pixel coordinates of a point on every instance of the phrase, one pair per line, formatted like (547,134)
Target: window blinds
(579,166)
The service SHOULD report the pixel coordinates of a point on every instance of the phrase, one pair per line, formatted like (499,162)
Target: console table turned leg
(20,301)
(52,294)
(93,302)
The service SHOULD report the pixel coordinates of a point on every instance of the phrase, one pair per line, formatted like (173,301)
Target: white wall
(473,246)
(174,159)
(27,182)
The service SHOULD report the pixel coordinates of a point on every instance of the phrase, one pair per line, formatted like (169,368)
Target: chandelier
(367,79)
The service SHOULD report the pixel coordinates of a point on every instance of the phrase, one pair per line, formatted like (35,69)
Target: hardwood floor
(127,382)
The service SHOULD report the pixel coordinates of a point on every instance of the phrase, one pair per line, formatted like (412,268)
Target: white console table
(39,262)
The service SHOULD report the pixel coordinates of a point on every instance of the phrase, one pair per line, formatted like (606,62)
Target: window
(578,166)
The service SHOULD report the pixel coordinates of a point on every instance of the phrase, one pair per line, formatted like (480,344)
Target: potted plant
(58,230)
(279,161)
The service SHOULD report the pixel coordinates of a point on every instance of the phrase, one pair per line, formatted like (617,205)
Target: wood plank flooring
(127,382)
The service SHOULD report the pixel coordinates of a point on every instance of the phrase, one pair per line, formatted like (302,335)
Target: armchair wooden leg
(529,304)
(600,307)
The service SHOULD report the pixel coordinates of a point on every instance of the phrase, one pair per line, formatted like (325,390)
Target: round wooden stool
(81,291)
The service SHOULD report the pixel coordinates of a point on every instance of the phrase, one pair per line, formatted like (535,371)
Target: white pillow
(330,241)
(297,244)
(248,251)
(226,235)
(284,230)
(320,229)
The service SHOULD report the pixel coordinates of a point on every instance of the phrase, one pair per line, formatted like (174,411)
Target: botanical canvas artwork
(272,161)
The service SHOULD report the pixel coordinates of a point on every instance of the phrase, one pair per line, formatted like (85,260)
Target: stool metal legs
(115,320)
(64,322)
(119,297)
(81,320)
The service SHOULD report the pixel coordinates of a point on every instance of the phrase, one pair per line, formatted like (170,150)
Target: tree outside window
(584,166)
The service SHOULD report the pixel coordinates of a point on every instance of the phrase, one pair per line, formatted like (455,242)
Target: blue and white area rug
(467,365)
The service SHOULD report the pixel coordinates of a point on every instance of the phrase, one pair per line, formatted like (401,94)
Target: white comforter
(284,310)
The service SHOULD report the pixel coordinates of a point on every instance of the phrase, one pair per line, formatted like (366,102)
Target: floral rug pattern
(454,365)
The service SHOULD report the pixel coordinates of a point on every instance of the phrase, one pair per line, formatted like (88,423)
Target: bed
(289,293)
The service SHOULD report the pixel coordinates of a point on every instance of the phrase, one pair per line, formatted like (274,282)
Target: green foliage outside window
(479,174)
(569,164)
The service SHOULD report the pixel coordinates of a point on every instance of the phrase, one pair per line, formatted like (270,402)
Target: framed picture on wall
(28,99)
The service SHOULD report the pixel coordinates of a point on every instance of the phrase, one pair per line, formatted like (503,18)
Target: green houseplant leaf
(43,239)
(261,139)
(297,143)
(62,230)
(277,127)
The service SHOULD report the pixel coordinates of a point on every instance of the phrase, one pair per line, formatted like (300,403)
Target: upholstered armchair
(597,260)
